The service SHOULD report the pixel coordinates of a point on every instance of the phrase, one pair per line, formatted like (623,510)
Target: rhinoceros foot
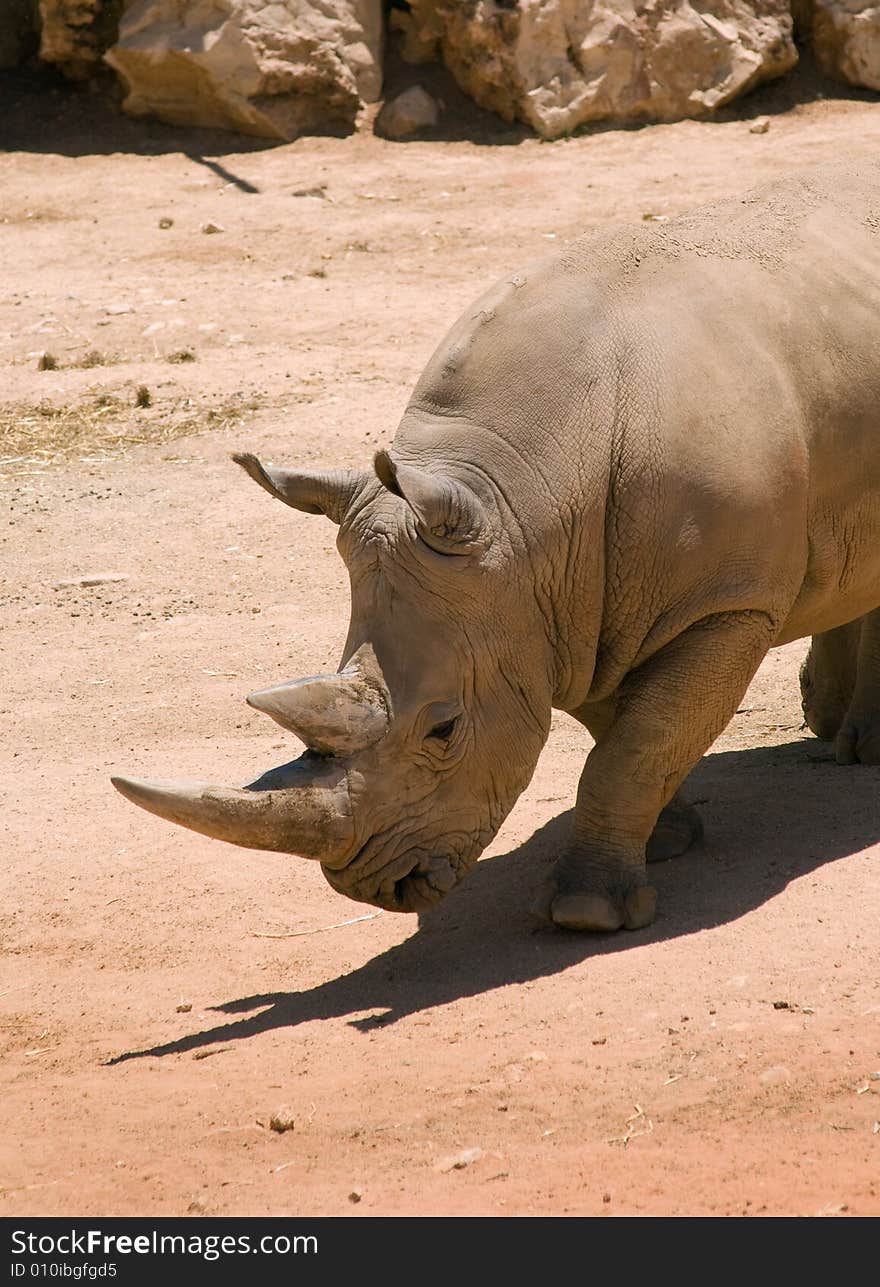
(858,741)
(591,907)
(678,827)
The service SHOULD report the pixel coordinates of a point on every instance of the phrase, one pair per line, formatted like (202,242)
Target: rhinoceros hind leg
(828,679)
(858,737)
(840,686)
(678,827)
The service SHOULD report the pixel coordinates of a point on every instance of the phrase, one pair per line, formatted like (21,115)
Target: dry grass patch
(93,358)
(87,361)
(36,436)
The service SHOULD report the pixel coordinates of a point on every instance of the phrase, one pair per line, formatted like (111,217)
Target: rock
(776,1076)
(18,32)
(846,40)
(557,65)
(75,33)
(210,227)
(420,36)
(802,16)
(458,1161)
(90,578)
(760,126)
(274,70)
(410,111)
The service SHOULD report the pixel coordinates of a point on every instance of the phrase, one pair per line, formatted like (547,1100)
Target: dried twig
(320,930)
(630,1134)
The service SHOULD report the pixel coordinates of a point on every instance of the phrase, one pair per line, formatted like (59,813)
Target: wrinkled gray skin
(626,473)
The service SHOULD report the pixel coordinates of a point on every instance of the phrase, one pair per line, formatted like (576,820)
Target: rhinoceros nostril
(400,891)
(431,878)
(440,873)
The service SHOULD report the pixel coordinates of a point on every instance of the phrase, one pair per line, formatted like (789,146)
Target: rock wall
(282,68)
(558,64)
(274,70)
(846,38)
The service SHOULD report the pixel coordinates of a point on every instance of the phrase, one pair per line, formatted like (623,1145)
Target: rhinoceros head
(420,743)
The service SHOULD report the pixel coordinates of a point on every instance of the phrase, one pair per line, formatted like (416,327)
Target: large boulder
(846,39)
(75,33)
(558,64)
(274,70)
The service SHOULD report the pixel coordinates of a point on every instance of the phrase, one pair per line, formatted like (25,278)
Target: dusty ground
(724,1061)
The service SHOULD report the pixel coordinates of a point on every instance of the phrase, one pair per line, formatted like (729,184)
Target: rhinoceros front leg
(666,714)
(679,825)
(847,662)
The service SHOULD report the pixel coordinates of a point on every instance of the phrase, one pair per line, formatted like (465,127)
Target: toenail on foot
(586,912)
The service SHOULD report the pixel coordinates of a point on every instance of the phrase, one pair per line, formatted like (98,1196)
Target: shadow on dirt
(773,815)
(41,112)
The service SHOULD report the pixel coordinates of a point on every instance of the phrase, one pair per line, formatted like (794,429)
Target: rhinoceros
(626,473)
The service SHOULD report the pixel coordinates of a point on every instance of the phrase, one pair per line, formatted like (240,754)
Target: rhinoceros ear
(449,517)
(329,492)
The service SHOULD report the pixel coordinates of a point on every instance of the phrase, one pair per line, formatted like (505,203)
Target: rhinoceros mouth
(413,882)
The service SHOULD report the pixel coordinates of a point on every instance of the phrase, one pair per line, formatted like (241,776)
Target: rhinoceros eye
(443,732)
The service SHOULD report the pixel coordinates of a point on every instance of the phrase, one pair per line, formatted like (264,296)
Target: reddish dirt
(164,995)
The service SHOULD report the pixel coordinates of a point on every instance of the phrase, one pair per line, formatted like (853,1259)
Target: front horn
(300,808)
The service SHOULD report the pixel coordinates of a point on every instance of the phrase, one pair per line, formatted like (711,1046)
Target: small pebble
(760,126)
(212,227)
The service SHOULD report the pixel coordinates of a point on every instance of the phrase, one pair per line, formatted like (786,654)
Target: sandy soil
(163,996)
